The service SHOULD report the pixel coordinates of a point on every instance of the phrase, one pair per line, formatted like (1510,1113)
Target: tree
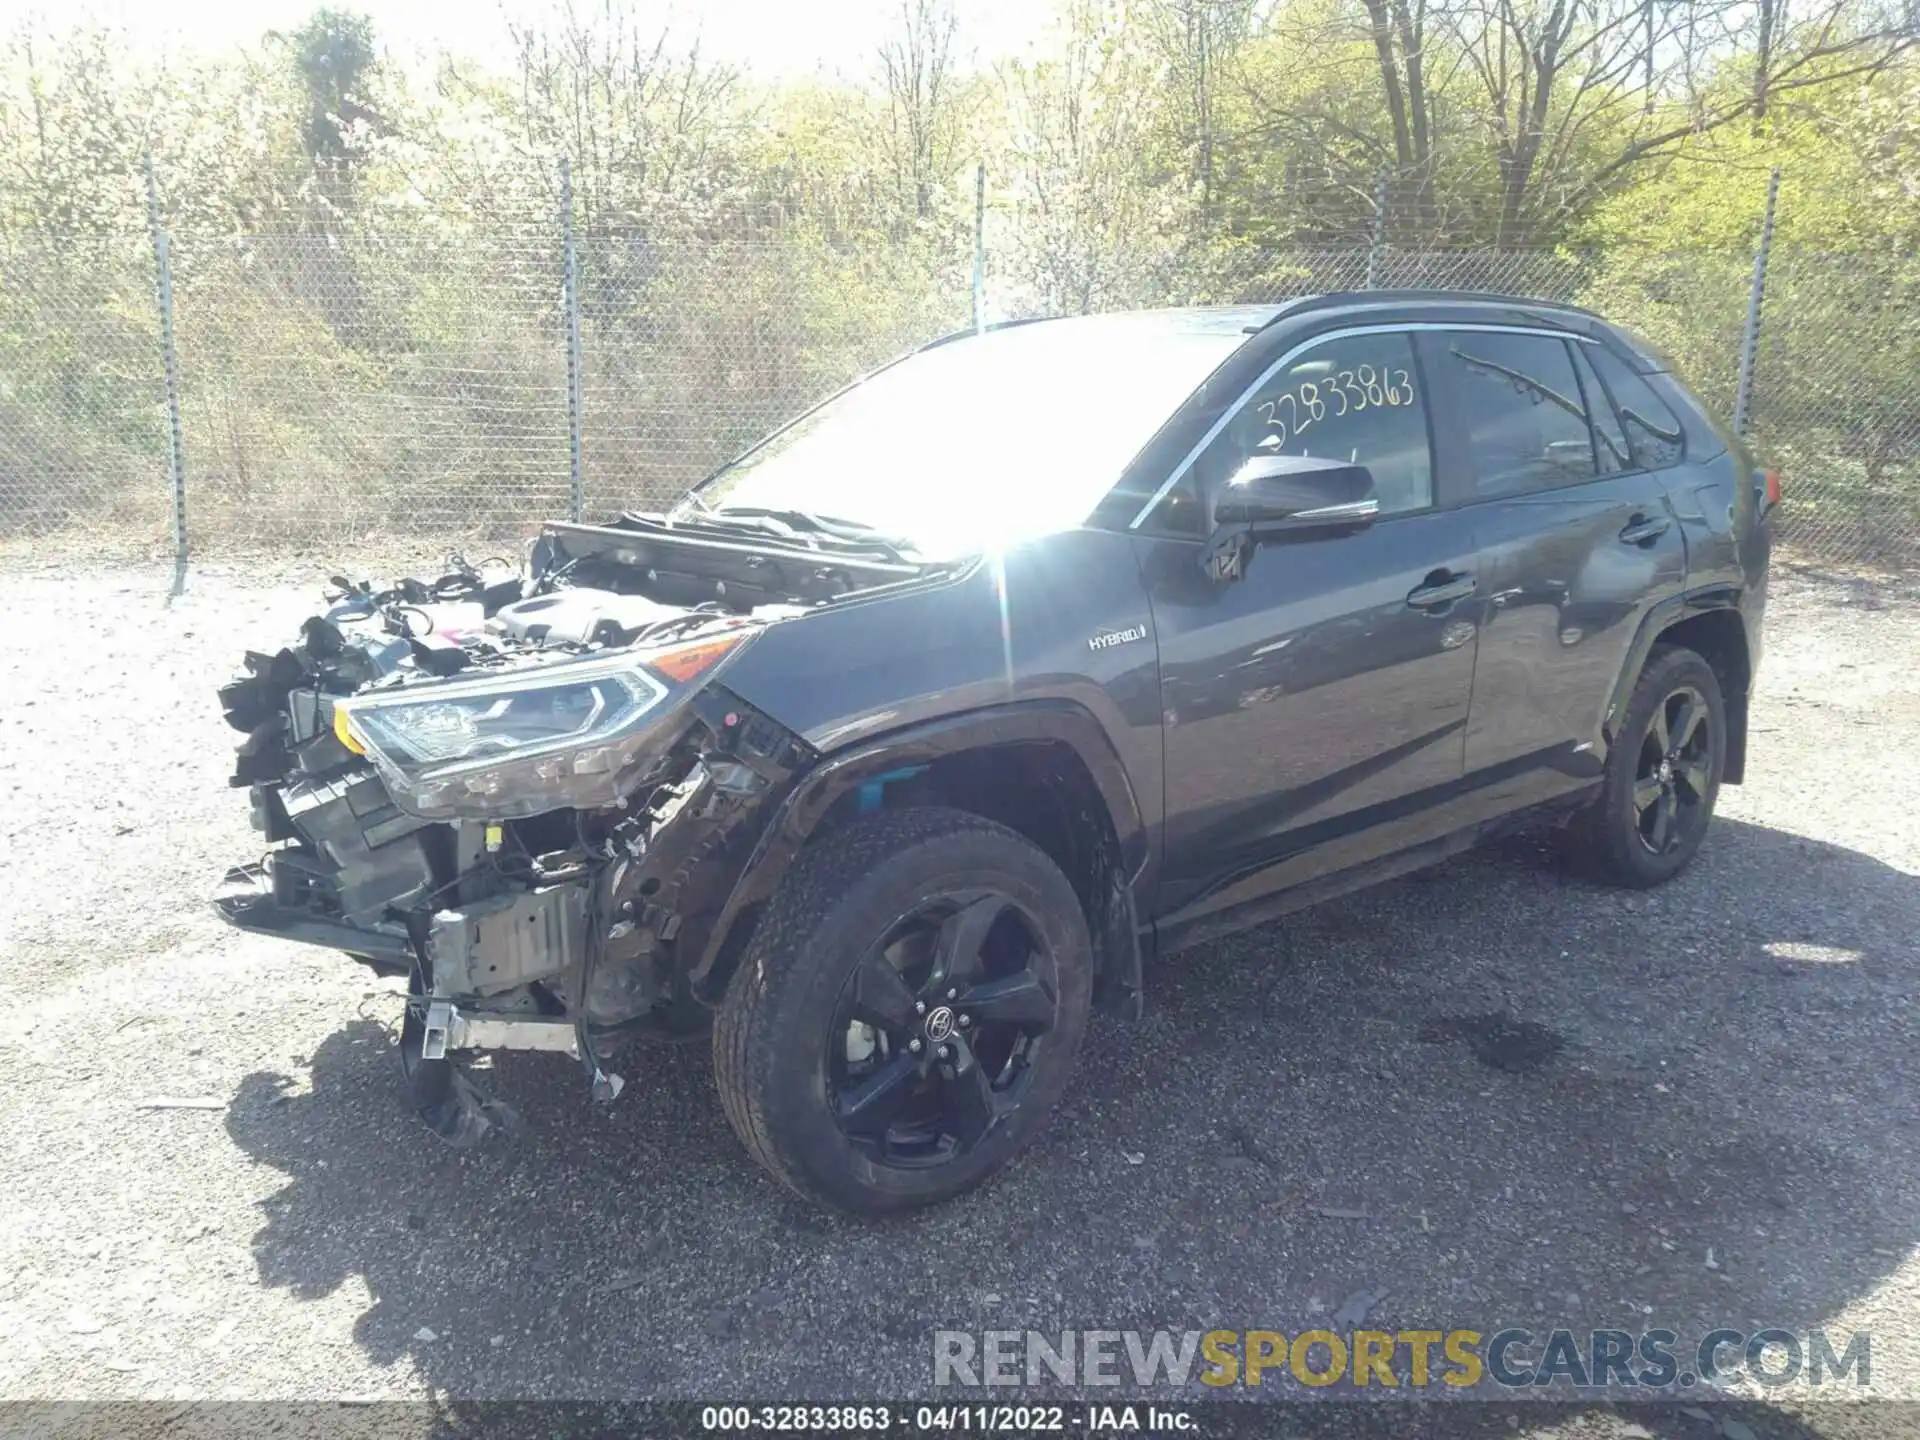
(1579,95)
(1198,39)
(1511,119)
(649,126)
(924,125)
(1096,226)
(334,59)
(1398,29)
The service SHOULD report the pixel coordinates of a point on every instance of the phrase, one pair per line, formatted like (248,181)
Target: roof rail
(1331,298)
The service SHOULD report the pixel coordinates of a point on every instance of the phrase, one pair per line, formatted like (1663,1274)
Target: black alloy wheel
(908,1011)
(1673,781)
(1662,777)
(939,1027)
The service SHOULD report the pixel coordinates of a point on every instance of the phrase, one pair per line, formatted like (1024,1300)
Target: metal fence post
(1756,293)
(1377,247)
(170,367)
(570,298)
(979,247)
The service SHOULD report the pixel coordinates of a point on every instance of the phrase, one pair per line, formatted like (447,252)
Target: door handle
(1644,531)
(1441,588)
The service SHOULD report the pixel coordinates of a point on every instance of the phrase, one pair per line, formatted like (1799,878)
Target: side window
(1521,411)
(1654,434)
(1610,447)
(1357,398)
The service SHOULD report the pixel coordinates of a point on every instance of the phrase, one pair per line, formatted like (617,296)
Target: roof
(1182,320)
(1250,319)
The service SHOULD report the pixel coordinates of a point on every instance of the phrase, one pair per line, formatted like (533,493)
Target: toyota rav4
(906,738)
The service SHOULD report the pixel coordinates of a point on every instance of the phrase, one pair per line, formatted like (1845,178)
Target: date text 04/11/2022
(947,1419)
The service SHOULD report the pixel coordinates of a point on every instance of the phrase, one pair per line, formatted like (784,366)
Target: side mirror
(1296,495)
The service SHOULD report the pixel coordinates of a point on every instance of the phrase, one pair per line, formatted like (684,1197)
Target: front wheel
(1663,775)
(909,1010)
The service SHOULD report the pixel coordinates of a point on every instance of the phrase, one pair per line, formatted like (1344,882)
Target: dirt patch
(1497,1041)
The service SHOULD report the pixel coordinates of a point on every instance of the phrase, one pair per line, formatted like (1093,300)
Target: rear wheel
(908,1012)
(1663,775)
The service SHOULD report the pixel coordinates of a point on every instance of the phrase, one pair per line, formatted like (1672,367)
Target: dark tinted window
(1357,398)
(1702,436)
(1653,432)
(1610,447)
(1521,411)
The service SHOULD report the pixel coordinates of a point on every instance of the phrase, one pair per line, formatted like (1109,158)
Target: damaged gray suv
(907,737)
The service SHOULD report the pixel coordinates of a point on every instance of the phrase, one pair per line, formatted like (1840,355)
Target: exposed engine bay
(529,793)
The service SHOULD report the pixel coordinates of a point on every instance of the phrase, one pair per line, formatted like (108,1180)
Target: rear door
(1313,708)
(1577,539)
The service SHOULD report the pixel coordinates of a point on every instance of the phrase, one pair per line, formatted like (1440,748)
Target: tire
(812,1042)
(1617,838)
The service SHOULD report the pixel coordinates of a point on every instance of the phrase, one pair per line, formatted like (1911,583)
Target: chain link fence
(83,436)
(691,353)
(331,389)
(1837,404)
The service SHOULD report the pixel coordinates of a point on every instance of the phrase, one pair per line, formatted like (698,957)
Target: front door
(1315,708)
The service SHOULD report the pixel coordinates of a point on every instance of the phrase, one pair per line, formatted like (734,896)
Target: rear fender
(1660,622)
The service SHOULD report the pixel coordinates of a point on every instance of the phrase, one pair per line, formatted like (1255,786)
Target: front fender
(815,793)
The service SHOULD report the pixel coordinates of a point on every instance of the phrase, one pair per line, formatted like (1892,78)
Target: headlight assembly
(571,733)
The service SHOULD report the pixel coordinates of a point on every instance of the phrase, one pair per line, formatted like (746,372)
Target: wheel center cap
(940,1024)
(1666,770)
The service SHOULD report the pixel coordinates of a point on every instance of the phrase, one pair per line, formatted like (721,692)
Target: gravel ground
(1488,1094)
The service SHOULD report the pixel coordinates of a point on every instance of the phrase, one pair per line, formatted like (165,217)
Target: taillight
(1769,487)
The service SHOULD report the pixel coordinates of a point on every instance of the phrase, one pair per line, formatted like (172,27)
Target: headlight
(573,733)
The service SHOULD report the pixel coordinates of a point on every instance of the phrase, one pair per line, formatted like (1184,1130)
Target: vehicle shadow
(1488,1095)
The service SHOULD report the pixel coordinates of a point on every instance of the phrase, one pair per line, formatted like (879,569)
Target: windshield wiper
(806,525)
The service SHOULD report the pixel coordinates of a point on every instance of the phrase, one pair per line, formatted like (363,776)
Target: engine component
(580,615)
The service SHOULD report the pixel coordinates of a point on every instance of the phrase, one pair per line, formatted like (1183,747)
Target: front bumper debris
(247,901)
(450,1028)
(569,930)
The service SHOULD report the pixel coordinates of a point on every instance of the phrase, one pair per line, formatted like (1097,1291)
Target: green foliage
(1837,375)
(333,53)
(333,57)
(81,419)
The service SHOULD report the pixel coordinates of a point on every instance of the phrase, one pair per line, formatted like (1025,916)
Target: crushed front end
(529,796)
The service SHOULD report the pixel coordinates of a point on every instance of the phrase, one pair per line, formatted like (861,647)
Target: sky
(773,38)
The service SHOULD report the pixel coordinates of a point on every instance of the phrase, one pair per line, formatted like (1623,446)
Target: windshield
(983,440)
